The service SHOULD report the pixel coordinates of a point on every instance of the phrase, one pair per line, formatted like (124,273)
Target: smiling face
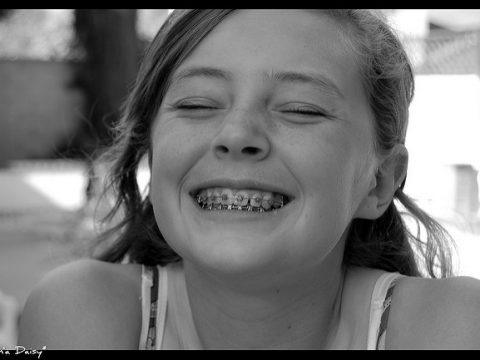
(268,109)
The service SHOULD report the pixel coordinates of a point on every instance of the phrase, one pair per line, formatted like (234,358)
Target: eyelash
(193,107)
(298,111)
(307,112)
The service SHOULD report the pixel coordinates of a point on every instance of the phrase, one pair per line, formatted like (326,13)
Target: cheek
(329,170)
(322,160)
(175,150)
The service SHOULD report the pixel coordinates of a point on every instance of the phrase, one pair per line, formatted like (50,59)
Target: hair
(385,243)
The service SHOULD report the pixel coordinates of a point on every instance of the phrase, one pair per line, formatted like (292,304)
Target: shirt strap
(382,330)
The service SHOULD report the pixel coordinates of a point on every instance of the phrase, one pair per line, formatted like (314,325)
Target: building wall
(443,140)
(39,108)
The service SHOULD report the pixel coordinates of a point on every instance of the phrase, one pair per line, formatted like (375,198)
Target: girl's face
(263,145)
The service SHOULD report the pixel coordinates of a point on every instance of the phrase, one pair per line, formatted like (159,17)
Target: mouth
(239,200)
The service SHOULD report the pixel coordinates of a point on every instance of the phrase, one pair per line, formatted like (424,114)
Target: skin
(247,125)
(272,281)
(319,159)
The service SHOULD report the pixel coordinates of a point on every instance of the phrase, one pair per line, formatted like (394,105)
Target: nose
(242,137)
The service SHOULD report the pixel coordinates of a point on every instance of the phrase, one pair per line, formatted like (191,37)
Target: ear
(388,178)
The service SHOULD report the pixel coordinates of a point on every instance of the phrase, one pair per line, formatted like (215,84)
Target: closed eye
(194,107)
(305,110)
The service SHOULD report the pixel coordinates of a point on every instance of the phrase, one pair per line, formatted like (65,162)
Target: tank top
(165,286)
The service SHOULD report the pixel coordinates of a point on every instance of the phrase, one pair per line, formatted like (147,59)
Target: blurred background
(64,74)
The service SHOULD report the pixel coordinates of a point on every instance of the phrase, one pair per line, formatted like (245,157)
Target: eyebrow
(319,81)
(203,71)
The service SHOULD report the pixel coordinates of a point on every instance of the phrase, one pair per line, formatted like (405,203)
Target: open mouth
(247,200)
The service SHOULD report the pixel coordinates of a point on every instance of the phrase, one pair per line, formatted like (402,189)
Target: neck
(302,312)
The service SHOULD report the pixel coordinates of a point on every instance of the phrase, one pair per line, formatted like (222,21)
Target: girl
(275,140)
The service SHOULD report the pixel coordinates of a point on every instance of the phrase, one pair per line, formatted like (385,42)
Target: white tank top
(164,287)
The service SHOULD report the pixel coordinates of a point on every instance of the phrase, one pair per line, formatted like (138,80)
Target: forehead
(255,42)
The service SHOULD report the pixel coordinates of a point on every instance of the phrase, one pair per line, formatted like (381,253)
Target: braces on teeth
(240,202)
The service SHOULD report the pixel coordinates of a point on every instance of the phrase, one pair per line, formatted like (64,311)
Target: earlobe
(388,178)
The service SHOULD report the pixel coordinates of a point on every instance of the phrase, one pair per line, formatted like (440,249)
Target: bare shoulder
(435,314)
(85,304)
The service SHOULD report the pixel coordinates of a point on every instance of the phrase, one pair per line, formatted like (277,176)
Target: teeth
(267,201)
(277,201)
(239,200)
(209,195)
(256,200)
(226,197)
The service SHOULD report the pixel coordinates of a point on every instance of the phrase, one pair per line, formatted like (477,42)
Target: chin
(229,255)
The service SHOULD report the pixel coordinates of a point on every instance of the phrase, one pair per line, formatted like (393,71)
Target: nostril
(250,150)
(246,152)
(222,149)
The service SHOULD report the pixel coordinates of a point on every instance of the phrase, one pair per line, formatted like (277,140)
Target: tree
(108,39)
(4,13)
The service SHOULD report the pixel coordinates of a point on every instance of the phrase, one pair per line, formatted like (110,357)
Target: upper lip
(241,185)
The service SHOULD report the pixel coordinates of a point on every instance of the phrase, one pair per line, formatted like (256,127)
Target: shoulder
(85,304)
(435,314)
